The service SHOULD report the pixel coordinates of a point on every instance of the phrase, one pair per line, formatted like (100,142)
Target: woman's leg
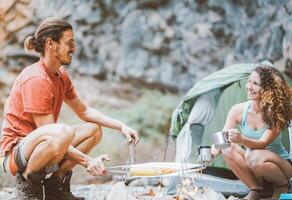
(235,159)
(270,166)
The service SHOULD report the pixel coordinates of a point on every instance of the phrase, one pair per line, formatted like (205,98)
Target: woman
(256,151)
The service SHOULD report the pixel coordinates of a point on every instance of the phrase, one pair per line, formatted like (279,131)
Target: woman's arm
(232,119)
(267,138)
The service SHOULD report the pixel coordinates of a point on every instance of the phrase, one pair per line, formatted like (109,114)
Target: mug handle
(198,152)
(227,136)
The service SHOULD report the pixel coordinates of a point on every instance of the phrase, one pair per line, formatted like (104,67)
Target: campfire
(187,173)
(187,190)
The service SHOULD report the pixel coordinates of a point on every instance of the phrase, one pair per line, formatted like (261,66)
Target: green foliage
(151,114)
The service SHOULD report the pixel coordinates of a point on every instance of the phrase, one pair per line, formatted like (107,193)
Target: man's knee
(68,131)
(65,134)
(95,132)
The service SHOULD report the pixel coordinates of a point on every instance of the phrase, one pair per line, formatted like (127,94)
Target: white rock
(120,192)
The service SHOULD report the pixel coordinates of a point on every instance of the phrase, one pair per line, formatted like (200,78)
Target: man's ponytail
(30,44)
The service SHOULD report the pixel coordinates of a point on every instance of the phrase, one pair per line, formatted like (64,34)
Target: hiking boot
(58,189)
(30,189)
(67,188)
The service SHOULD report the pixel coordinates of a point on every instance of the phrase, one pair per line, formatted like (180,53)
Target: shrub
(151,114)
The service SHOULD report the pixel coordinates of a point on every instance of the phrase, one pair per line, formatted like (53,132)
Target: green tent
(231,81)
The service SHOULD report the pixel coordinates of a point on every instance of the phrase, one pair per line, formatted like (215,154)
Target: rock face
(161,43)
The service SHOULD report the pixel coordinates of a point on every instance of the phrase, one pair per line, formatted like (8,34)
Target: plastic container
(286,196)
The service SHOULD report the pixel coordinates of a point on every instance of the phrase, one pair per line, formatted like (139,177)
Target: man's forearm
(77,156)
(92,115)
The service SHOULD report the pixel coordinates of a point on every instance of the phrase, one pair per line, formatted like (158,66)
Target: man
(33,143)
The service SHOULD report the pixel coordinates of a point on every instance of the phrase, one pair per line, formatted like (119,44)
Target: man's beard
(63,61)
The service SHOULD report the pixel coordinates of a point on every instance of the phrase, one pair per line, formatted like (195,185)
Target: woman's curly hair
(275,98)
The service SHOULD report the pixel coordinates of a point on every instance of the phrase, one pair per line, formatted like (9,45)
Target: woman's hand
(234,136)
(131,134)
(214,152)
(96,166)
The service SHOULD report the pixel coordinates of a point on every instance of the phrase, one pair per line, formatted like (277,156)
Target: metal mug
(220,140)
(204,154)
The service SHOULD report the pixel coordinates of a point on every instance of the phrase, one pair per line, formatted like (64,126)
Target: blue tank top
(276,146)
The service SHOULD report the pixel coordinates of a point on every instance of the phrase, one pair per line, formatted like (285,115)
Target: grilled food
(150,171)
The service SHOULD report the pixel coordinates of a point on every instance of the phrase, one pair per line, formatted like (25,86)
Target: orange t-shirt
(34,91)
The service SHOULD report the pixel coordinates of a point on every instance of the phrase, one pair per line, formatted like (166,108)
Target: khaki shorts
(14,161)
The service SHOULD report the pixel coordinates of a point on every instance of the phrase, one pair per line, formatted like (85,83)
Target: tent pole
(166,146)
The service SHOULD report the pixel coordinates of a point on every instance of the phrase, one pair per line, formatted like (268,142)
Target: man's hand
(131,134)
(234,136)
(96,166)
